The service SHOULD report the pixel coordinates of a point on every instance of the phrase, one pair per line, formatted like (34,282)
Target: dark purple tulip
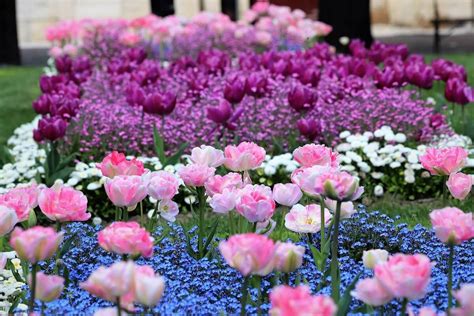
(49,84)
(134,95)
(136,55)
(436,120)
(221,113)
(51,128)
(458,71)
(81,64)
(156,103)
(42,104)
(280,67)
(390,77)
(309,128)
(465,95)
(234,90)
(213,61)
(357,49)
(442,68)
(63,64)
(420,75)
(415,58)
(64,107)
(453,89)
(301,98)
(256,84)
(310,75)
(360,67)
(37,135)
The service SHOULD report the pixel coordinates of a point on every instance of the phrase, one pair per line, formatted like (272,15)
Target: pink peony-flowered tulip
(459,184)
(249,253)
(306,219)
(315,155)
(298,301)
(162,185)
(195,175)
(116,164)
(444,161)
(306,178)
(451,225)
(347,208)
(371,292)
(63,204)
(245,156)
(287,194)
(126,238)
(339,186)
(48,287)
(22,200)
(405,276)
(126,191)
(36,243)
(255,203)
(372,257)
(465,298)
(288,257)
(148,288)
(217,184)
(224,202)
(8,220)
(207,156)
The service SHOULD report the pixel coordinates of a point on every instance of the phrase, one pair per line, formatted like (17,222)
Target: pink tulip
(207,156)
(249,253)
(35,244)
(287,194)
(444,161)
(339,186)
(115,164)
(126,238)
(8,220)
(405,276)
(459,184)
(347,208)
(148,289)
(245,156)
(168,210)
(451,225)
(288,257)
(288,301)
(126,191)
(63,204)
(110,283)
(315,155)
(306,219)
(163,185)
(48,287)
(255,203)
(224,202)
(217,184)
(196,175)
(373,257)
(22,200)
(371,292)
(306,178)
(465,298)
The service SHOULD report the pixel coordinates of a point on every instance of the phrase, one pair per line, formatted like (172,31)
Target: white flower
(364,167)
(269,170)
(344,40)
(412,157)
(378,190)
(94,186)
(371,258)
(97,220)
(395,164)
(343,147)
(389,136)
(400,138)
(344,134)
(353,156)
(377,175)
(425,174)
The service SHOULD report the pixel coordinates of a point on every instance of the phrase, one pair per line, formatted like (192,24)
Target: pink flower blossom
(451,225)
(8,220)
(63,204)
(195,175)
(444,161)
(306,178)
(405,276)
(245,156)
(465,298)
(162,185)
(217,183)
(371,292)
(48,287)
(126,238)
(207,156)
(306,219)
(126,191)
(115,164)
(288,257)
(339,186)
(168,210)
(224,202)
(287,194)
(36,243)
(315,155)
(148,289)
(372,257)
(459,184)
(255,203)
(347,208)
(249,253)
(22,200)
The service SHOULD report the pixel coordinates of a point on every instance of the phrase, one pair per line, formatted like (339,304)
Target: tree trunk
(9,51)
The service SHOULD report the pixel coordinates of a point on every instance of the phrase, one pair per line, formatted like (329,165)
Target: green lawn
(18,88)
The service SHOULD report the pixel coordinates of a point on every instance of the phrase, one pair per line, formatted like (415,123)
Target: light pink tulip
(168,210)
(55,52)
(162,185)
(224,202)
(195,175)
(465,298)
(48,287)
(22,200)
(298,301)
(347,208)
(3,261)
(115,164)
(35,244)
(288,257)
(444,161)
(245,156)
(373,257)
(339,186)
(255,203)
(371,292)
(217,184)
(8,220)
(315,155)
(306,219)
(207,156)
(63,204)
(459,184)
(126,191)
(71,50)
(405,276)
(148,289)
(451,225)
(306,178)
(287,194)
(249,253)
(126,238)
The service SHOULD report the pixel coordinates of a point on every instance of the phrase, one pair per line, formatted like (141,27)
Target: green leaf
(175,158)
(159,145)
(67,245)
(32,218)
(189,248)
(210,237)
(52,159)
(15,303)
(62,174)
(66,161)
(344,302)
(5,156)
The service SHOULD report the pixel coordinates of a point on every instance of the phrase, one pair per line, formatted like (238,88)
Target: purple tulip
(301,98)
(419,74)
(63,64)
(42,104)
(457,91)
(134,95)
(310,75)
(221,113)
(234,90)
(136,55)
(256,84)
(50,84)
(436,120)
(64,107)
(161,104)
(50,128)
(309,128)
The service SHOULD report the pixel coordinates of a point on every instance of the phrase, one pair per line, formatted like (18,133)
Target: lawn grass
(18,88)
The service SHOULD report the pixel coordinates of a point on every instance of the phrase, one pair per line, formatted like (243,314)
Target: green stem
(231,224)
(142,219)
(31,305)
(202,203)
(58,252)
(119,308)
(310,238)
(245,292)
(450,277)
(404,306)
(125,214)
(260,296)
(2,243)
(335,286)
(322,224)
(445,190)
(254,227)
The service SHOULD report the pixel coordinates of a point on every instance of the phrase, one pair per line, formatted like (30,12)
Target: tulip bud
(221,113)
(234,90)
(51,128)
(32,218)
(256,84)
(288,257)
(371,258)
(161,104)
(42,104)
(309,128)
(63,64)
(301,98)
